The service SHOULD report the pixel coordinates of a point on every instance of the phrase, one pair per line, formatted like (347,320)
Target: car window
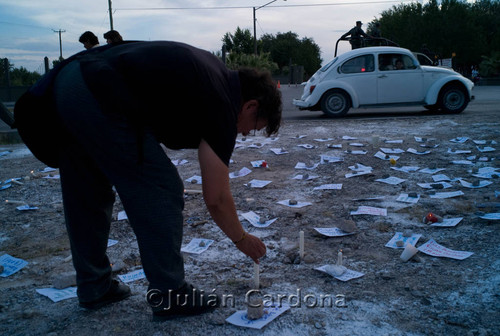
(364,63)
(327,66)
(395,62)
(423,59)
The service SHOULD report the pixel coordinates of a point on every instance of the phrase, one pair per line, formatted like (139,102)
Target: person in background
(89,40)
(399,64)
(356,35)
(113,36)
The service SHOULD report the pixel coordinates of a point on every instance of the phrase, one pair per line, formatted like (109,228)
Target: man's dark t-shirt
(183,94)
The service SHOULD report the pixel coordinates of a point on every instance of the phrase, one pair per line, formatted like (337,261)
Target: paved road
(487,101)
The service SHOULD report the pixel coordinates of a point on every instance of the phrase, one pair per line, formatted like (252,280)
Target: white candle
(339,258)
(256,275)
(301,244)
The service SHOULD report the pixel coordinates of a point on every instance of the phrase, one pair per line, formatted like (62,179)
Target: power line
(248,7)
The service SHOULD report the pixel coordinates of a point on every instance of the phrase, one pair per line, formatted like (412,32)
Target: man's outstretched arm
(220,203)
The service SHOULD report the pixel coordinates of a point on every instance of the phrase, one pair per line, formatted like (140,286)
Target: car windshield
(328,65)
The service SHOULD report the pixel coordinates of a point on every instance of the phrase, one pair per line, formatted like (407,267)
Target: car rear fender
(433,92)
(325,86)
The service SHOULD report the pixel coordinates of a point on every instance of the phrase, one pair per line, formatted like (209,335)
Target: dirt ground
(429,295)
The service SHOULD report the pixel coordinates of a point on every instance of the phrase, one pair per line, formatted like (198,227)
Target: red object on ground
(431,218)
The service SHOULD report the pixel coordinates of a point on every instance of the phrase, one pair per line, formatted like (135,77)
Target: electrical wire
(247,7)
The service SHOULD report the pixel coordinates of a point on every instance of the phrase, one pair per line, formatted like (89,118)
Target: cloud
(29,25)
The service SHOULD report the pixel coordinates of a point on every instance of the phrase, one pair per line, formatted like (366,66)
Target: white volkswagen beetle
(383,76)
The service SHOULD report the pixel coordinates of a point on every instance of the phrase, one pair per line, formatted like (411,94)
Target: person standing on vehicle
(356,34)
(116,105)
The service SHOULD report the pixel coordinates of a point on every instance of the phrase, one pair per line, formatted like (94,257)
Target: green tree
(17,76)
(237,60)
(275,53)
(239,42)
(468,30)
(287,49)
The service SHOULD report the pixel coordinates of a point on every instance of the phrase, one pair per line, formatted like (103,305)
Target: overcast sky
(28,28)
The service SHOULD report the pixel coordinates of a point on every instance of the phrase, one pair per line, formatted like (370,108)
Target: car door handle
(382,76)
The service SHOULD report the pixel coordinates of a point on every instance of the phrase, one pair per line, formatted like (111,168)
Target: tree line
(11,76)
(467,32)
(275,53)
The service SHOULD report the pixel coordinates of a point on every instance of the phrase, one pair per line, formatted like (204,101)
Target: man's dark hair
(260,86)
(113,36)
(88,36)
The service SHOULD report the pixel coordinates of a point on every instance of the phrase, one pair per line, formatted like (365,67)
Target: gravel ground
(427,295)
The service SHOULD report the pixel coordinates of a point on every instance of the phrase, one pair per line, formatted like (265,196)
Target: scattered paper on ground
(122,215)
(333,232)
(387,157)
(278,151)
(445,185)
(459,139)
(330,159)
(256,220)
(434,249)
(196,179)
(471,185)
(398,236)
(57,295)
(11,265)
(26,207)
(302,165)
(258,183)
(307,146)
(431,170)
(449,194)
(298,205)
(304,177)
(414,151)
(270,313)
(332,186)
(112,242)
(448,222)
(197,245)
(391,180)
(132,276)
(368,210)
(491,216)
(348,275)
(242,172)
(405,198)
(406,169)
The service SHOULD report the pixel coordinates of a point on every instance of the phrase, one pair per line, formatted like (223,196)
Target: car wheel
(335,103)
(453,99)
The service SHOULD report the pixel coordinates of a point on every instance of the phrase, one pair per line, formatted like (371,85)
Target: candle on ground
(256,279)
(339,258)
(301,244)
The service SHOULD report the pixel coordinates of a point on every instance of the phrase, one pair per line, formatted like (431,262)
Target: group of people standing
(89,40)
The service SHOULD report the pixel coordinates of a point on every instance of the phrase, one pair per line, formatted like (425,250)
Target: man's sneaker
(185,301)
(116,292)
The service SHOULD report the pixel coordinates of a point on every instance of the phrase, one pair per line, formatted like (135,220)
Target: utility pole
(254,25)
(60,42)
(110,15)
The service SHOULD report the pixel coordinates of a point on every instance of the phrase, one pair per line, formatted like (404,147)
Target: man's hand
(252,247)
